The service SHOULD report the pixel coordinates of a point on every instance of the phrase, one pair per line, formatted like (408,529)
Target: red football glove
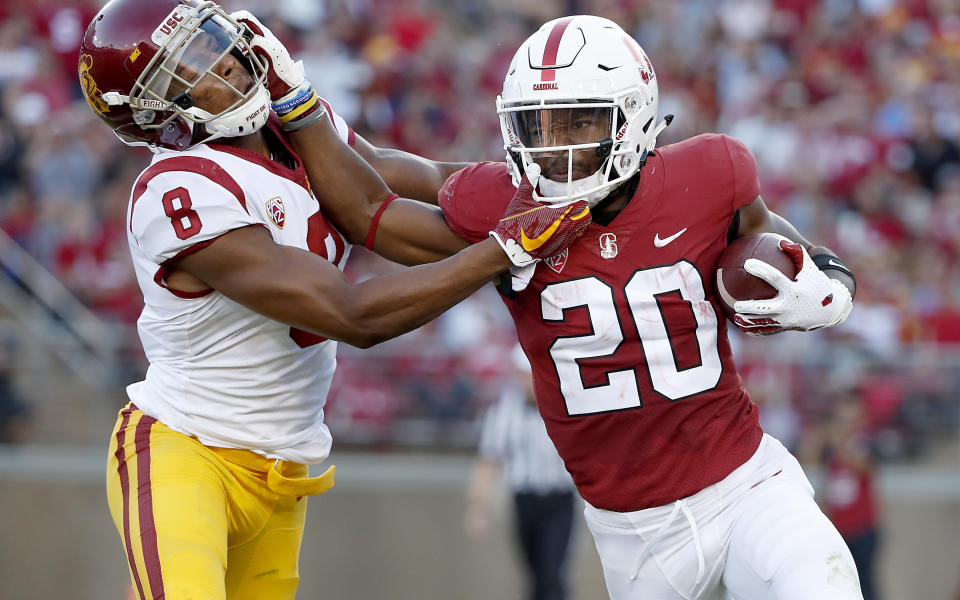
(531,230)
(283,74)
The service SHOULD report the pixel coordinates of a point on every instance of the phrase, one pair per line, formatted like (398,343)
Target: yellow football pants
(203,523)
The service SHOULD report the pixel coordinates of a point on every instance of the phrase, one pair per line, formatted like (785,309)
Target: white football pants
(755,535)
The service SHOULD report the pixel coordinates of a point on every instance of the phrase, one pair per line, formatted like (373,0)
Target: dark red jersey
(850,498)
(632,366)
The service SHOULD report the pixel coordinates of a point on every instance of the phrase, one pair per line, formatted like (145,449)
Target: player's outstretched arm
(407,174)
(820,295)
(351,193)
(352,196)
(303,290)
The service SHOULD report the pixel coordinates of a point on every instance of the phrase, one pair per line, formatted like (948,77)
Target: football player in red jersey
(686,496)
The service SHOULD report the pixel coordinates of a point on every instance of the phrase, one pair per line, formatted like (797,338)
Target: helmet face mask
(186,77)
(579,91)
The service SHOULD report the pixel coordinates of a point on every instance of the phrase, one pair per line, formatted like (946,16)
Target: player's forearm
(348,189)
(297,287)
(412,176)
(756,218)
(388,306)
(819,253)
(407,232)
(786,229)
(407,174)
(412,233)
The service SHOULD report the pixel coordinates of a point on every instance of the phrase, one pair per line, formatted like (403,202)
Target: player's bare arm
(407,174)
(406,231)
(361,205)
(303,290)
(757,218)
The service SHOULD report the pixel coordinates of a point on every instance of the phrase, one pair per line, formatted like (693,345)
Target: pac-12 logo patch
(558,261)
(608,245)
(276,212)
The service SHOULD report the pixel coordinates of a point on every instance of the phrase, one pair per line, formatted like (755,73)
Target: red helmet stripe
(553,47)
(646,69)
(632,47)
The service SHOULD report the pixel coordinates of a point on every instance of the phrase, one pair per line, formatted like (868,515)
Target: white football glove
(810,300)
(284,76)
(520,276)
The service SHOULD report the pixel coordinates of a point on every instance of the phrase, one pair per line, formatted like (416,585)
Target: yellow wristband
(293,114)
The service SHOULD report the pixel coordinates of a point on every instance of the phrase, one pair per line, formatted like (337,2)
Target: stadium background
(852,108)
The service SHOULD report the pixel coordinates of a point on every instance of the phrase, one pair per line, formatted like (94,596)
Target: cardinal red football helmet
(141,59)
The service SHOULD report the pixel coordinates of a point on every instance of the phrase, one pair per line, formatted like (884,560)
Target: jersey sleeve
(746,182)
(178,210)
(474,199)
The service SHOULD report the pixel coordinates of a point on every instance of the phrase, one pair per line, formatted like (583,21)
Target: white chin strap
(242,120)
(588,188)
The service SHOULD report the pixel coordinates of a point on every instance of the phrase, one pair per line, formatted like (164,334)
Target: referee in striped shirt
(514,439)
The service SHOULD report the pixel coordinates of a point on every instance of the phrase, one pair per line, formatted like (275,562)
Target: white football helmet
(579,84)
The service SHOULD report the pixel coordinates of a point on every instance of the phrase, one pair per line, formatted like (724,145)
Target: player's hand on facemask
(810,300)
(283,74)
(530,230)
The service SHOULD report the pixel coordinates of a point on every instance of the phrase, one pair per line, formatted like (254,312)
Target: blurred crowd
(852,108)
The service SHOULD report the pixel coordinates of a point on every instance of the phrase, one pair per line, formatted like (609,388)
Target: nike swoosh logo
(583,213)
(661,243)
(531,244)
(835,263)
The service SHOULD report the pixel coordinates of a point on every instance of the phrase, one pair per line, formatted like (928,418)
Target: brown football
(734,283)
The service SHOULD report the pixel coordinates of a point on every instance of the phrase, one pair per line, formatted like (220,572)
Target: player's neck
(255,142)
(611,206)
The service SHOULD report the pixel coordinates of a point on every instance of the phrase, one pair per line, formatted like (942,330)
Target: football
(734,283)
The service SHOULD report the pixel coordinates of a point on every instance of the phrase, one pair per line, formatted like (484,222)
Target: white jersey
(218,371)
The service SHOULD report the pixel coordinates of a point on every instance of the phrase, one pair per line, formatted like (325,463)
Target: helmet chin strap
(568,191)
(242,120)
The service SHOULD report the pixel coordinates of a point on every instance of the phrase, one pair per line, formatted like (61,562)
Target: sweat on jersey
(633,371)
(218,371)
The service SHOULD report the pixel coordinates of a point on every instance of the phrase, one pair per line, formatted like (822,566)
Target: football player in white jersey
(244,297)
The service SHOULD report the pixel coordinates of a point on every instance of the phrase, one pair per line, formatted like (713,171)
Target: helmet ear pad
(635,143)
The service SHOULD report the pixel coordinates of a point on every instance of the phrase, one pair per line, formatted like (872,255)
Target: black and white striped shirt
(513,433)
